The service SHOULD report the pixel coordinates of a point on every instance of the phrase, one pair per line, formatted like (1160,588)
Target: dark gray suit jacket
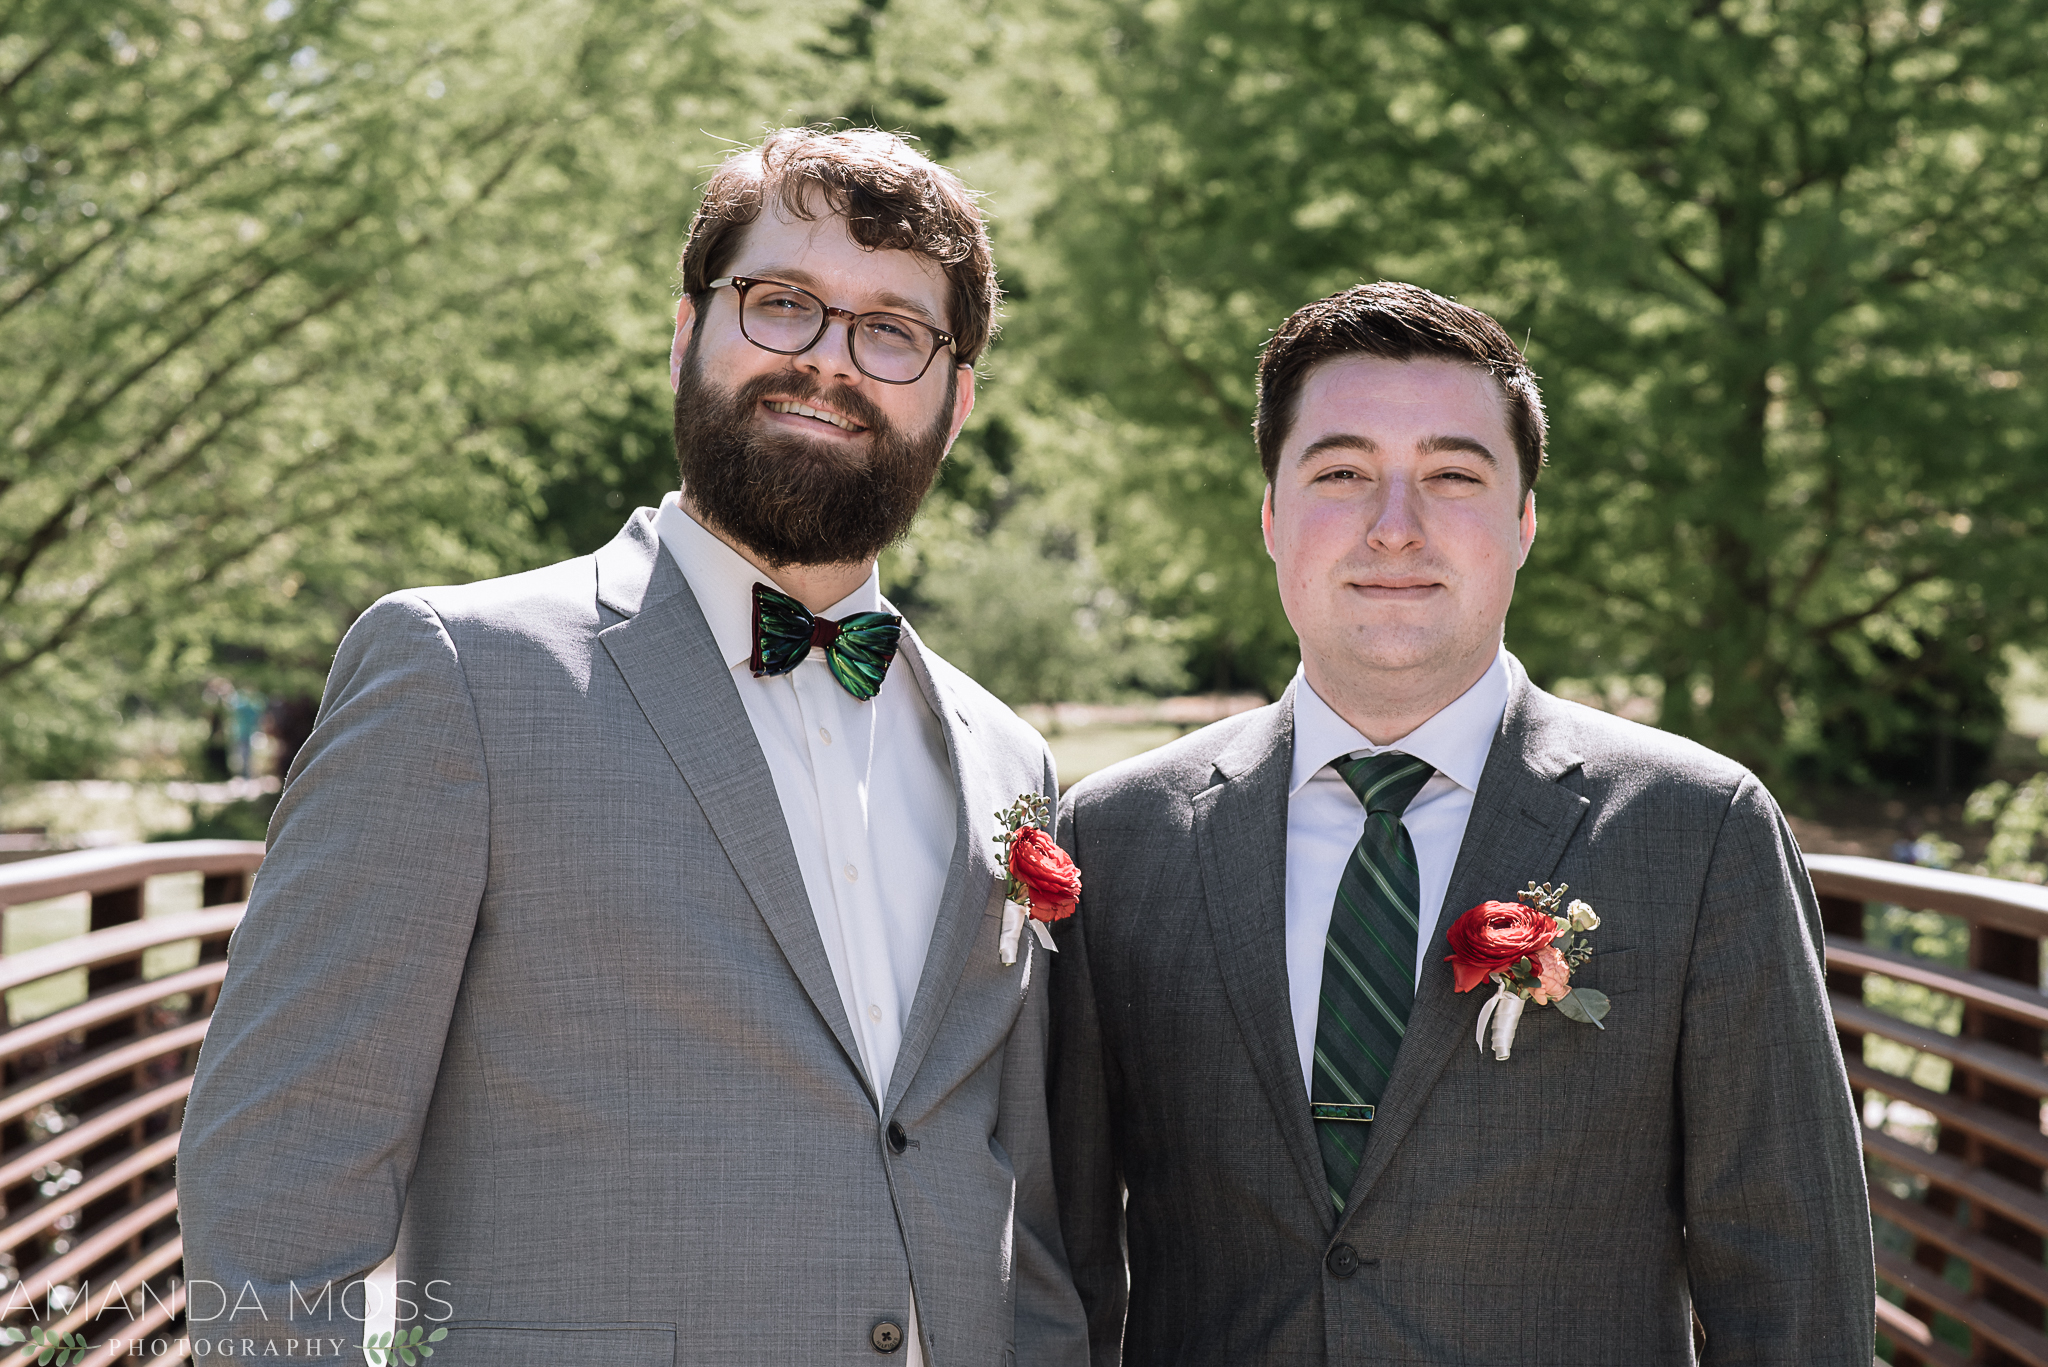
(1574,1204)
(530,968)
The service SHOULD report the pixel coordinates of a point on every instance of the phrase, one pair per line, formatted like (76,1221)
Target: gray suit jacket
(1572,1205)
(531,970)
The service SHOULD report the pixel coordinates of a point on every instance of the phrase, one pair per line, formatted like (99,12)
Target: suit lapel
(1522,819)
(671,664)
(1241,834)
(970,881)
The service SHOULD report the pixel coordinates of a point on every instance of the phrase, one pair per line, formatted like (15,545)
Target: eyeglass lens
(885,345)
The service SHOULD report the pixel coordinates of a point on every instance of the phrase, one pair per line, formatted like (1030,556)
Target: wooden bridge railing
(1956,1170)
(92,1097)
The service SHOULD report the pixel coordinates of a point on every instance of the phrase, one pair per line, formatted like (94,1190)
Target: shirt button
(852,873)
(824,735)
(875,1014)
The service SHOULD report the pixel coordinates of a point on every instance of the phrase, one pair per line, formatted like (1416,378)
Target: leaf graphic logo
(58,1349)
(409,1348)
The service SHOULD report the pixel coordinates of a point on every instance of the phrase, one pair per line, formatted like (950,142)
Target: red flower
(1049,877)
(1494,936)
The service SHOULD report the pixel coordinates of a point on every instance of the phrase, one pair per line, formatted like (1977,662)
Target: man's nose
(1396,523)
(832,354)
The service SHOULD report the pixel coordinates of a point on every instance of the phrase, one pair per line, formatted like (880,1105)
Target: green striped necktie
(1368,965)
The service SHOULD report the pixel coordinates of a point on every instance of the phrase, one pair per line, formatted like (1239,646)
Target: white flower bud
(1584,917)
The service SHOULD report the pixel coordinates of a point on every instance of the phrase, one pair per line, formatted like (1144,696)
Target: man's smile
(812,416)
(1398,588)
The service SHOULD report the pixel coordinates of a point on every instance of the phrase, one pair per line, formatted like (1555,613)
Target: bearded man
(626,956)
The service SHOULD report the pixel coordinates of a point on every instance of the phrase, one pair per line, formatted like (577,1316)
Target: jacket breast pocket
(1613,971)
(504,1343)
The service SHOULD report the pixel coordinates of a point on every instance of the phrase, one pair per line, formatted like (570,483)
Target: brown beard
(790,500)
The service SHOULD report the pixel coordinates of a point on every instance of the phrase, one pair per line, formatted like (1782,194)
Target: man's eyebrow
(1430,446)
(889,299)
(1338,441)
(905,304)
(1471,445)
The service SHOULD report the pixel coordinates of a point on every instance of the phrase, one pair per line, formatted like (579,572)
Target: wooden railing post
(113,907)
(1842,919)
(2004,954)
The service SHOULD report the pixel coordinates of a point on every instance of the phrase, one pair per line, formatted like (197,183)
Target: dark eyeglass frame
(743,283)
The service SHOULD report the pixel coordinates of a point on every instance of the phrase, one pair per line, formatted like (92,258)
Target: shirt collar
(1455,742)
(723,581)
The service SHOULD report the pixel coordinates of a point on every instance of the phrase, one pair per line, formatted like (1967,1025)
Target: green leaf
(438,1334)
(1585,1005)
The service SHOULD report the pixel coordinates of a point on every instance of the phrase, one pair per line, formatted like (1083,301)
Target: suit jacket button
(898,1142)
(1343,1261)
(887,1337)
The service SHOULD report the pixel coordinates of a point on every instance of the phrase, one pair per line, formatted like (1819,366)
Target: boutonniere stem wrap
(1528,949)
(1044,884)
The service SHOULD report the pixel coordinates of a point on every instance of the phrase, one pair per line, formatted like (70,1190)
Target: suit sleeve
(1049,1325)
(1777,1213)
(1079,1081)
(312,1086)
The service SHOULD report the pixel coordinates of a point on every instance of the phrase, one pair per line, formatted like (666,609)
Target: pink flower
(1553,977)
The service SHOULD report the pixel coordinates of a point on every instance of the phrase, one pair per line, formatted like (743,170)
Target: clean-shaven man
(1270,1109)
(626,953)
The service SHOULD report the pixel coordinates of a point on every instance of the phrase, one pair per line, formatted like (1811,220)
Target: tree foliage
(1779,264)
(306,301)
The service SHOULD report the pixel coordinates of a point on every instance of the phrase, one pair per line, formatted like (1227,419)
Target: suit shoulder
(1628,757)
(494,628)
(565,587)
(1174,772)
(544,607)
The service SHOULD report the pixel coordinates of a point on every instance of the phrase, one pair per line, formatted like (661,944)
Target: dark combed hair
(1395,322)
(892,197)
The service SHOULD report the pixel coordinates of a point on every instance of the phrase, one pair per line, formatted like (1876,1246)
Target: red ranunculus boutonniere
(1530,949)
(1044,884)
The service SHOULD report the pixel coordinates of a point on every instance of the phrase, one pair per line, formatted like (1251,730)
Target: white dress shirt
(866,789)
(1325,819)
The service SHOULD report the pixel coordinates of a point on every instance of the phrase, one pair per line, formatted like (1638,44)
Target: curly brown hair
(892,197)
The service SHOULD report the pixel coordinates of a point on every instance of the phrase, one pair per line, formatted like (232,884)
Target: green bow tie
(858,649)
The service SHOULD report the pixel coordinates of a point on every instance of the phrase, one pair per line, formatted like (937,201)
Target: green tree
(1780,265)
(307,300)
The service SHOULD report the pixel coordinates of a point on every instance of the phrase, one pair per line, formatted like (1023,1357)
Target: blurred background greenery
(307,300)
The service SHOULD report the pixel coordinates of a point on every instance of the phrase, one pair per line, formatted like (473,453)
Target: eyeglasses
(790,321)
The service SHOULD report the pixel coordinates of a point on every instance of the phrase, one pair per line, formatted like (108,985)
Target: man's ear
(686,316)
(1266,521)
(1528,528)
(963,402)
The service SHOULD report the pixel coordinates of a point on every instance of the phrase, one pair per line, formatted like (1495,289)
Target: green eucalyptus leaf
(1585,1005)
